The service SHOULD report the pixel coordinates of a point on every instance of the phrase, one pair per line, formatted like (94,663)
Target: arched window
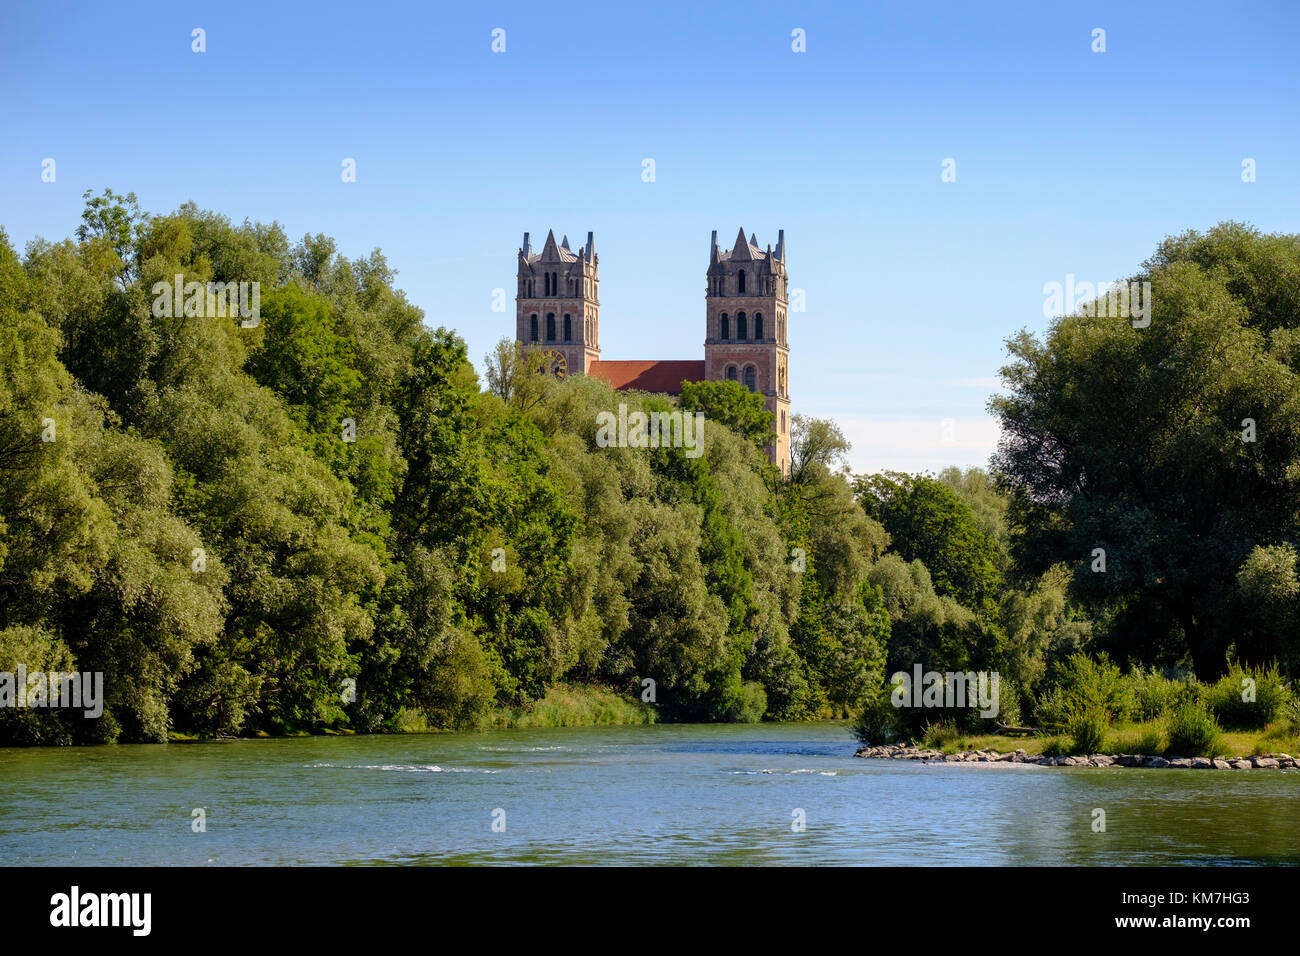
(550,326)
(758,325)
(534,327)
(731,373)
(741,327)
(568,328)
(726,326)
(740,284)
(750,378)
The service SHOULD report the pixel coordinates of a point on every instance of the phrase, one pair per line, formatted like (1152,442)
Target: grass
(1144,737)
(570,705)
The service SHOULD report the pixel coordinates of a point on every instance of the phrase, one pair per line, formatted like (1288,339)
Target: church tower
(746,305)
(557,305)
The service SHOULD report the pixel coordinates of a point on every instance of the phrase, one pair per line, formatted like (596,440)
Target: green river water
(666,794)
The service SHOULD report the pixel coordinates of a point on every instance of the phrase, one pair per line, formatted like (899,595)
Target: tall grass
(568,705)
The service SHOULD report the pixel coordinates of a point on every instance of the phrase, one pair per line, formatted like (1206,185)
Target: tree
(927,522)
(1154,460)
(732,405)
(116,223)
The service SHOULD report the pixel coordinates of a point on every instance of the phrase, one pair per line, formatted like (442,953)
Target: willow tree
(1160,459)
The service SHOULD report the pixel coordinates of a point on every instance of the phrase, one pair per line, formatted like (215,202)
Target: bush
(1051,710)
(1227,698)
(1088,726)
(749,705)
(1152,695)
(938,736)
(1192,732)
(878,723)
(1055,747)
(1082,683)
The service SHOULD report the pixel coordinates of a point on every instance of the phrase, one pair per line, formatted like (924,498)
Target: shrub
(1055,747)
(1051,710)
(1152,695)
(1081,684)
(878,723)
(1192,732)
(938,736)
(1227,698)
(1088,726)
(749,705)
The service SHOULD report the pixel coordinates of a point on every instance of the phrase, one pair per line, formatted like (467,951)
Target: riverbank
(1268,761)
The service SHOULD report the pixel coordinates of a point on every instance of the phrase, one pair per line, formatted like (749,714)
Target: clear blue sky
(1067,161)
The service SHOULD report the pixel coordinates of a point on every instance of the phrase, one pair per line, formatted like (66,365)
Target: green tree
(1173,450)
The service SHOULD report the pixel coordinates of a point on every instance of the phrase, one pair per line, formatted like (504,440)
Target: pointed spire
(527,248)
(741,250)
(753,239)
(780,244)
(713,248)
(550,251)
(565,244)
(591,244)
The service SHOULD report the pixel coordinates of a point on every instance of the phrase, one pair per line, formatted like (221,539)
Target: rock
(1221,764)
(1265,763)
(1101,760)
(1129,760)
(952,758)
(1155,762)
(1287,763)
(1181,763)
(1202,763)
(1240,764)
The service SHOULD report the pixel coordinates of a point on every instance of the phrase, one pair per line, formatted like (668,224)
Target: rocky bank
(908,752)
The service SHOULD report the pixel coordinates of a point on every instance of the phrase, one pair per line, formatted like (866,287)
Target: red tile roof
(663,376)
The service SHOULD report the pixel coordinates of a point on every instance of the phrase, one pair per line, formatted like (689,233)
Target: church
(557,308)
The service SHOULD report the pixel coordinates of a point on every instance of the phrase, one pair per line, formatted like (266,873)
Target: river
(666,794)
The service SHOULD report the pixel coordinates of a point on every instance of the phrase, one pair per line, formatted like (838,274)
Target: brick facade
(746,314)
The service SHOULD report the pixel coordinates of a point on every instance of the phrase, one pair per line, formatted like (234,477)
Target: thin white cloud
(916,445)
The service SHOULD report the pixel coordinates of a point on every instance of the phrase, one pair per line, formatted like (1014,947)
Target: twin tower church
(746,307)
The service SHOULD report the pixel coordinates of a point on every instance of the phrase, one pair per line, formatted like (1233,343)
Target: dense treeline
(323,518)
(234,519)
